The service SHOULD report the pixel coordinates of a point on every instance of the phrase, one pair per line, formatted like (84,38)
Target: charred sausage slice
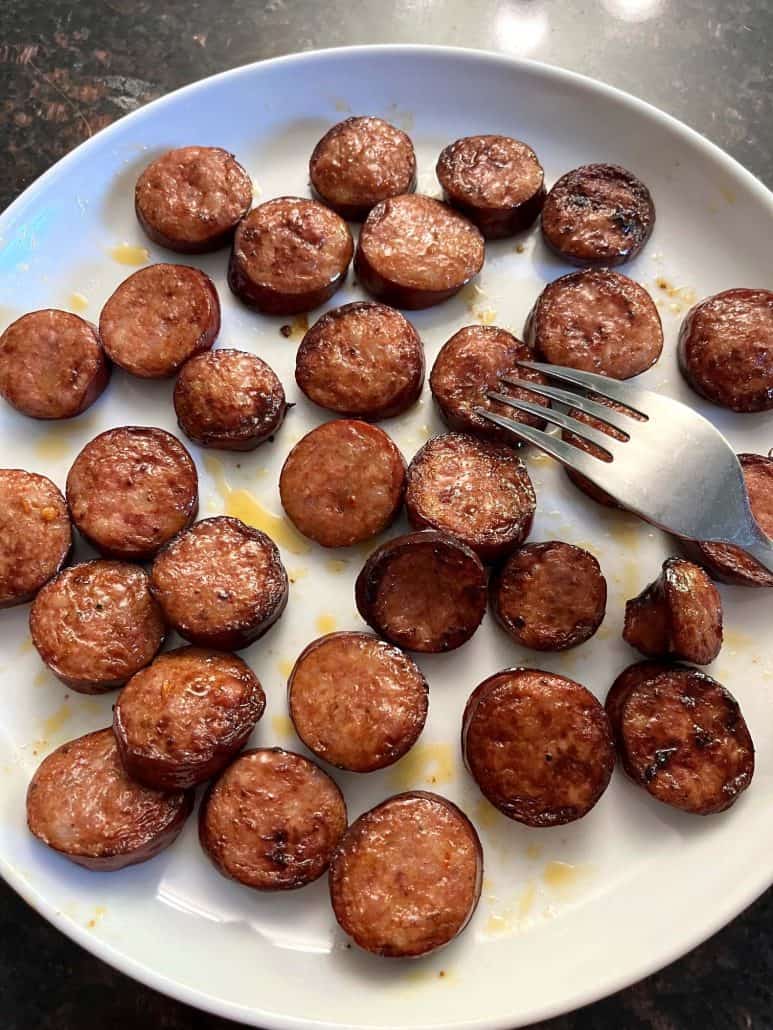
(423,591)
(191,199)
(229,399)
(82,803)
(496,181)
(131,489)
(272,820)
(682,737)
(478,492)
(677,616)
(538,745)
(549,596)
(357,701)
(415,252)
(158,318)
(406,878)
(468,367)
(343,483)
(731,564)
(726,349)
(221,584)
(364,360)
(360,162)
(52,364)
(35,534)
(629,678)
(289,255)
(597,321)
(181,720)
(598,214)
(96,624)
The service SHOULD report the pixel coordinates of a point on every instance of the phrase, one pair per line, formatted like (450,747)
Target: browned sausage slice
(289,255)
(580,481)
(272,820)
(96,624)
(682,737)
(414,252)
(191,199)
(406,878)
(598,215)
(549,596)
(221,584)
(359,162)
(630,677)
(731,564)
(82,804)
(726,349)
(364,360)
(343,483)
(357,701)
(423,591)
(158,318)
(597,321)
(538,745)
(470,365)
(131,489)
(477,491)
(52,364)
(229,399)
(35,534)
(496,181)
(180,721)
(677,616)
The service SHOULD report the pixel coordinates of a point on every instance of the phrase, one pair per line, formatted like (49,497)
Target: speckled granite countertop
(69,69)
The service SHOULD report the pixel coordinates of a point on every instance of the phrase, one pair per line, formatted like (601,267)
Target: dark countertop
(67,70)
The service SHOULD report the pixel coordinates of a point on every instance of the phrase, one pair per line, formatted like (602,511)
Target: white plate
(647,883)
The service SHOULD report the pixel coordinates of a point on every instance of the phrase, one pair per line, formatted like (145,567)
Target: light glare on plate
(633,10)
(520,32)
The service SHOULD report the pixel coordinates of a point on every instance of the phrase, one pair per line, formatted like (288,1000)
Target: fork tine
(574,400)
(582,462)
(558,418)
(612,389)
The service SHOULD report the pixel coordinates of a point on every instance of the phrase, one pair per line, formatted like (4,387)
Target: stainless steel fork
(674,468)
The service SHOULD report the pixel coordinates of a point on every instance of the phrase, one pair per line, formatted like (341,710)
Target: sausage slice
(131,489)
(677,616)
(180,721)
(415,252)
(496,181)
(82,804)
(191,199)
(598,215)
(423,591)
(52,364)
(272,820)
(359,162)
(470,365)
(221,584)
(579,480)
(356,701)
(343,483)
(597,321)
(728,563)
(538,745)
(682,737)
(726,349)
(96,624)
(549,596)
(35,534)
(229,399)
(289,255)
(476,491)
(406,878)
(363,360)
(158,318)
(629,678)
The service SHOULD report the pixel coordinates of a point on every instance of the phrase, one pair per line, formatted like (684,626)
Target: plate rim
(733,901)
